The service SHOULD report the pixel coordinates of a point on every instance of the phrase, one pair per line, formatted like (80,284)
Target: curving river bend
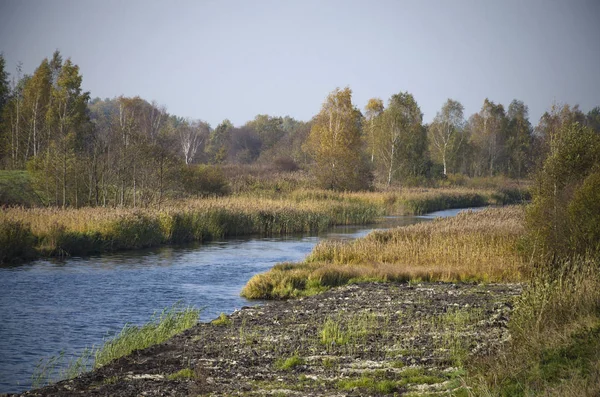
(51,306)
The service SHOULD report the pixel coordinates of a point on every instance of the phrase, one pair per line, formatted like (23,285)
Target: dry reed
(479,246)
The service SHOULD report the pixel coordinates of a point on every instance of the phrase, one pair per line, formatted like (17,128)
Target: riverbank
(472,247)
(29,233)
(372,338)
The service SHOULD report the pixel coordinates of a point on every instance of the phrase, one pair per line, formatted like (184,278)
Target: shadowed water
(51,306)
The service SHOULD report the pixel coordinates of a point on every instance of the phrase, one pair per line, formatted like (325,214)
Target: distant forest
(126,151)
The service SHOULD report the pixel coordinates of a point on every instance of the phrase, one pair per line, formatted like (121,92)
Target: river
(49,306)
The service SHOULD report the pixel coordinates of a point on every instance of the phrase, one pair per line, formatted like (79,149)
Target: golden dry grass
(58,231)
(473,246)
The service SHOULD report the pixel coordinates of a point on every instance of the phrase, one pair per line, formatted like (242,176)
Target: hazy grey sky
(235,59)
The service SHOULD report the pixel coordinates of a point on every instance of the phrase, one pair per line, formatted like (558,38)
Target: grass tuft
(184,374)
(289,363)
(167,324)
(221,321)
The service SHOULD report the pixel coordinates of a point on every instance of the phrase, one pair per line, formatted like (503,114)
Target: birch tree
(334,143)
(36,100)
(66,118)
(401,139)
(488,129)
(373,110)
(446,131)
(191,137)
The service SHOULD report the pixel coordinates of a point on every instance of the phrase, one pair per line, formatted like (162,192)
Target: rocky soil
(367,339)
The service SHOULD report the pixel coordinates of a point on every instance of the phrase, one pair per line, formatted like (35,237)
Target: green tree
(288,151)
(334,143)
(217,149)
(269,129)
(36,101)
(593,119)
(446,132)
(519,139)
(4,85)
(550,126)
(66,118)
(401,139)
(488,137)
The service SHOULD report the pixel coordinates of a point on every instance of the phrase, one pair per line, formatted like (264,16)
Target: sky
(213,60)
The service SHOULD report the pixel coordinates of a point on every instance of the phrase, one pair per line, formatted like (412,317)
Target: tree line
(126,151)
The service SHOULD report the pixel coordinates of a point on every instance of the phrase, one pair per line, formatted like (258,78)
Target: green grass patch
(339,331)
(574,365)
(369,384)
(329,362)
(289,363)
(221,321)
(555,346)
(161,327)
(183,374)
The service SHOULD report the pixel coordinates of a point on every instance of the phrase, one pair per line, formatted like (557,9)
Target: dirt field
(367,339)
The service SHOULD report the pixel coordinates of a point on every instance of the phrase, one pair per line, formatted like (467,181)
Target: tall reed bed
(58,232)
(30,232)
(418,201)
(472,246)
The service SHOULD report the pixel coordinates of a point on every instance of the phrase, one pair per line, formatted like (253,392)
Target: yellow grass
(473,246)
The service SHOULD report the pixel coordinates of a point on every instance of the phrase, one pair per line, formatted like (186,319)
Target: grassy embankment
(27,233)
(470,247)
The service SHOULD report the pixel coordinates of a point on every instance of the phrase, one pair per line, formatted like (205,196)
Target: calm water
(51,306)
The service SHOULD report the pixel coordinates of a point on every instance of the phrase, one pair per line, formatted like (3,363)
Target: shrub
(284,163)
(563,193)
(203,180)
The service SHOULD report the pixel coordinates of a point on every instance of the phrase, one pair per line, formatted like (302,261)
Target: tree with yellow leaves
(334,143)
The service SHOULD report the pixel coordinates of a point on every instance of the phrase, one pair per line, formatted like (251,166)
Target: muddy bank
(367,339)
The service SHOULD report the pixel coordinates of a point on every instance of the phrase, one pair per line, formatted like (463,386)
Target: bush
(203,180)
(565,190)
(506,196)
(284,163)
